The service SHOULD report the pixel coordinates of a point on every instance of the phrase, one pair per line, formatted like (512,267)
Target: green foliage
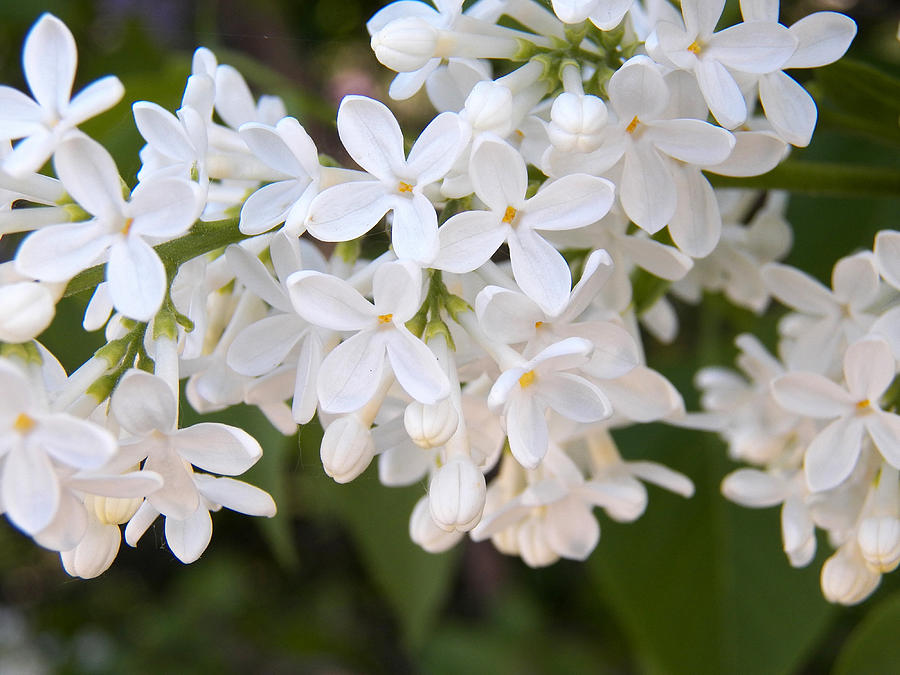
(873,646)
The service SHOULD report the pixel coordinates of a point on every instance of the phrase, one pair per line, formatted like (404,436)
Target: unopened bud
(457,494)
(576,122)
(430,425)
(424,532)
(347,448)
(489,107)
(533,546)
(879,542)
(405,45)
(112,510)
(846,578)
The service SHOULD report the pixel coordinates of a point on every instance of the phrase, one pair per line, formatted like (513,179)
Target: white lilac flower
(351,373)
(754,47)
(500,179)
(372,137)
(822,38)
(869,368)
(525,392)
(37,447)
(49,58)
(156,210)
(604,14)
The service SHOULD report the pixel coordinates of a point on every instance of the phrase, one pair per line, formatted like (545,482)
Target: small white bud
(95,553)
(26,309)
(430,425)
(879,542)
(424,532)
(576,122)
(112,510)
(846,578)
(457,494)
(347,448)
(489,107)
(405,45)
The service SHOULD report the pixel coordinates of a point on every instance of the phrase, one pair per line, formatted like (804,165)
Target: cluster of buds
(532,225)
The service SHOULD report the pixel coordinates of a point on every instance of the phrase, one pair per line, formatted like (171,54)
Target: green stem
(820,178)
(203,238)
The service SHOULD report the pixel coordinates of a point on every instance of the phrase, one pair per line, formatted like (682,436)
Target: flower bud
(347,448)
(94,553)
(846,578)
(405,45)
(456,495)
(26,309)
(576,122)
(879,542)
(430,425)
(489,107)
(112,510)
(424,532)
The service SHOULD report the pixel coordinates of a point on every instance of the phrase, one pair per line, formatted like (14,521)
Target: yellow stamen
(385,318)
(24,423)
(519,133)
(632,125)
(126,228)
(538,324)
(526,379)
(865,403)
(404,187)
(695,48)
(509,215)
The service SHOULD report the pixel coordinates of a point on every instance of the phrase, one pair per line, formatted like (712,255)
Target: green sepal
(26,352)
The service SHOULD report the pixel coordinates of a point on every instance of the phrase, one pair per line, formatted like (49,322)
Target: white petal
(798,290)
(163,131)
(597,270)
(823,38)
(414,229)
(571,529)
(26,309)
(60,252)
(812,395)
(868,368)
(621,496)
(507,316)
(237,496)
(647,191)
(403,465)
(666,262)
(643,395)
(722,94)
(615,350)
(89,174)
(262,346)
(574,397)
(691,141)
(73,441)
(347,211)
(164,207)
(397,289)
(754,47)
(797,531)
(19,115)
(498,174)
(219,448)
(351,373)
(527,430)
(887,253)
(266,143)
(468,240)
(253,274)
(95,552)
(234,102)
(570,202)
(754,488)
(303,406)
(662,476)
(416,367)
(855,280)
(137,278)
(754,154)
(49,57)
(638,89)
(788,107)
(696,225)
(188,539)
(832,455)
(94,99)
(30,489)
(371,136)
(540,270)
(328,301)
(436,149)
(884,428)
(143,403)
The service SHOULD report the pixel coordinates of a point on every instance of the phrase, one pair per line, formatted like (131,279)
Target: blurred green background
(332,584)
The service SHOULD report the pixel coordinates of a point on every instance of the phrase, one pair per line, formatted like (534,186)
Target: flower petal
(468,240)
(49,58)
(30,489)
(347,211)
(371,136)
(436,149)
(237,496)
(143,403)
(350,374)
(527,430)
(540,270)
(219,448)
(498,174)
(188,538)
(574,397)
(137,278)
(812,395)
(788,107)
(325,300)
(833,453)
(416,367)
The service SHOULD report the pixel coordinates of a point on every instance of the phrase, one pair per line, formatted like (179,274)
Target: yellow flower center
(404,187)
(24,423)
(632,125)
(509,215)
(385,318)
(695,48)
(865,403)
(538,324)
(126,228)
(526,379)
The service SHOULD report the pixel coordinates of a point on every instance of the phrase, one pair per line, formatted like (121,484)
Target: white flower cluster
(820,422)
(498,329)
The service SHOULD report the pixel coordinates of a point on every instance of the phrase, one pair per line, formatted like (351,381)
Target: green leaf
(702,586)
(414,583)
(820,178)
(873,646)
